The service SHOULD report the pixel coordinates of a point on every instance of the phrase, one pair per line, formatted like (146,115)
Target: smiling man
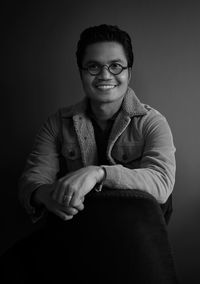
(107,73)
(109,139)
(109,142)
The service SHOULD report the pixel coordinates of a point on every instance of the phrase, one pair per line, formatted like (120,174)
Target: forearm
(65,196)
(158,184)
(38,196)
(155,169)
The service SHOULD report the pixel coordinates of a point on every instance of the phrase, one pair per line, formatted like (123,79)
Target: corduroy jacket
(140,150)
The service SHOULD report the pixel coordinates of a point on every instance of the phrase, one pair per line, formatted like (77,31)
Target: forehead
(104,52)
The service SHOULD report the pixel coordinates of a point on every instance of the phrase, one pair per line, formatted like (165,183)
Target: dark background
(39,75)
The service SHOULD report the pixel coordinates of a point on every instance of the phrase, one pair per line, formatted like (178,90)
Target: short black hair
(103,33)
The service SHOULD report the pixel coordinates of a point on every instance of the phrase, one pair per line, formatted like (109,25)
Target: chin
(106,98)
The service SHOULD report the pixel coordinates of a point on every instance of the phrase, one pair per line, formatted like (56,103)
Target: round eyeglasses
(95,69)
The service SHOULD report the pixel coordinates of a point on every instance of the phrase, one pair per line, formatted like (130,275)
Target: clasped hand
(65,197)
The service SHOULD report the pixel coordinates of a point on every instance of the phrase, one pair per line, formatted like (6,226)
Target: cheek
(87,82)
(123,79)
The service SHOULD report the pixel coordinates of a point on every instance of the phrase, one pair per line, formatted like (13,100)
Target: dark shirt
(101,136)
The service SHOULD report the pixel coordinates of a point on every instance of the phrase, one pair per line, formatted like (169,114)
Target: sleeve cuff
(99,186)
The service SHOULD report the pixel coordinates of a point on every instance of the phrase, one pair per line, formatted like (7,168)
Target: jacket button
(72,153)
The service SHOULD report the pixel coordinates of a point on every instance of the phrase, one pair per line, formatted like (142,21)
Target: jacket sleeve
(42,164)
(156,174)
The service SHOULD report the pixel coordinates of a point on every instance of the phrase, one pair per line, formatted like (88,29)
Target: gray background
(39,75)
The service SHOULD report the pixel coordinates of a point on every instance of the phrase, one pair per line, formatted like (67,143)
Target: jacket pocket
(72,155)
(128,155)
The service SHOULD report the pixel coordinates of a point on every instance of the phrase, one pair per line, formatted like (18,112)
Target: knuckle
(72,188)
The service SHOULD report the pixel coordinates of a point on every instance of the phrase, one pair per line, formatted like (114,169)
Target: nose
(105,74)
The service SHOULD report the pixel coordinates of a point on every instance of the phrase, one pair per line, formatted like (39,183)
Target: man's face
(105,87)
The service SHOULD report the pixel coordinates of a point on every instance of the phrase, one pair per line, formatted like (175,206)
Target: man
(110,138)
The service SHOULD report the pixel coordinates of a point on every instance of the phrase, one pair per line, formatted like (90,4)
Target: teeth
(105,87)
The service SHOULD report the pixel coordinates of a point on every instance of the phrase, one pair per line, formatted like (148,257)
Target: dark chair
(120,237)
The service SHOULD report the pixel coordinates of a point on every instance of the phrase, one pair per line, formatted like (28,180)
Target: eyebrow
(111,61)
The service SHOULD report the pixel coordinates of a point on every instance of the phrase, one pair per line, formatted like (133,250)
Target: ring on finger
(66,197)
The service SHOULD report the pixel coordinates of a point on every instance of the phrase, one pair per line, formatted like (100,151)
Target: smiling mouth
(105,87)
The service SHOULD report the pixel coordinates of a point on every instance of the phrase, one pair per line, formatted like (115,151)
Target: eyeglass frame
(108,66)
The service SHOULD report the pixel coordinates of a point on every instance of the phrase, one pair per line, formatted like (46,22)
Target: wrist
(38,196)
(101,174)
(101,180)
(35,198)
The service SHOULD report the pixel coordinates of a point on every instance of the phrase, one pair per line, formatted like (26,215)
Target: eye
(93,66)
(115,66)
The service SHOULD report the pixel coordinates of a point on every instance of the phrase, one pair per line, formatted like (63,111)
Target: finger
(62,192)
(56,190)
(66,199)
(75,200)
(70,210)
(62,215)
(80,206)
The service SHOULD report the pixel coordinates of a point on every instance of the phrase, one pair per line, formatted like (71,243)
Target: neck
(105,111)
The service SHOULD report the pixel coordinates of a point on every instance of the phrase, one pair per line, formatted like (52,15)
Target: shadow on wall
(17,142)
(184,231)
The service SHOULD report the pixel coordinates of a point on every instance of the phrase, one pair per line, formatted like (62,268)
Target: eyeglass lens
(113,69)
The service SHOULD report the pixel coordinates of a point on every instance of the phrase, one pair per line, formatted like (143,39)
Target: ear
(129,74)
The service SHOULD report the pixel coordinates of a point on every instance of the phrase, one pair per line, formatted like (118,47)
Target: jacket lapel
(131,106)
(85,133)
(119,126)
